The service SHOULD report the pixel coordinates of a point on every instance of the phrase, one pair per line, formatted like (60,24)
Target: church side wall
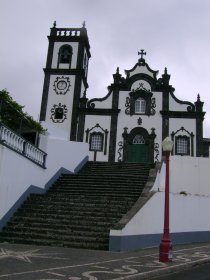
(189,203)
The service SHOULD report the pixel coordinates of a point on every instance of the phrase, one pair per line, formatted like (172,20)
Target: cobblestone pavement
(51,263)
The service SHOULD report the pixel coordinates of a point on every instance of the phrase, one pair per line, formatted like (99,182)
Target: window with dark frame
(140,106)
(96,142)
(182,145)
(59,113)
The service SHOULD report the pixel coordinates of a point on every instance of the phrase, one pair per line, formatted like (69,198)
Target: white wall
(188,211)
(18,173)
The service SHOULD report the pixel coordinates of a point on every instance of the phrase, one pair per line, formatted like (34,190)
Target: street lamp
(165,250)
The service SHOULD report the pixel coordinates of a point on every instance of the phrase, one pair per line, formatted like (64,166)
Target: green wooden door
(138,153)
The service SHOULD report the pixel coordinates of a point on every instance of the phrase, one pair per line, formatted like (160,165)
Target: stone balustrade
(18,144)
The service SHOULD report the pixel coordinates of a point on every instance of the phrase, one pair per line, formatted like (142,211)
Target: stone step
(49,225)
(69,214)
(53,236)
(57,243)
(71,211)
(67,220)
(79,209)
(59,231)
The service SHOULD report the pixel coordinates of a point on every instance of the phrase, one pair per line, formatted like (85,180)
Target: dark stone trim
(81,127)
(113,127)
(141,64)
(184,115)
(206,144)
(199,137)
(50,54)
(76,98)
(141,76)
(102,112)
(45,93)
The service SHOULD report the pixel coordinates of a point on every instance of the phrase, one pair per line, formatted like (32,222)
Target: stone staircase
(79,209)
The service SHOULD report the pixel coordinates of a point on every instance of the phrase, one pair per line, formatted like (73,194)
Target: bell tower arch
(65,78)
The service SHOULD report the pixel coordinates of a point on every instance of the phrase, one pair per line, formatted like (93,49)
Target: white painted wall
(105,104)
(187,212)
(18,173)
(175,106)
(66,99)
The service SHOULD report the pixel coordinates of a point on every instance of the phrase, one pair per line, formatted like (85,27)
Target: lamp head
(167,145)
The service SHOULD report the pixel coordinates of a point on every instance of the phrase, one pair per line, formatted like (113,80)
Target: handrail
(18,144)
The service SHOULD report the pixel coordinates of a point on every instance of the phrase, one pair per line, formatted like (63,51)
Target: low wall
(189,208)
(19,176)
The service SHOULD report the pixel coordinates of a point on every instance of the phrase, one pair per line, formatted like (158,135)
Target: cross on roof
(142,53)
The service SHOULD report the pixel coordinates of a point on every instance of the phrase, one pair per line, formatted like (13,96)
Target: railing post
(44,161)
(24,148)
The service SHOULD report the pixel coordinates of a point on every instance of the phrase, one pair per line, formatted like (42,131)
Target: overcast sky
(174,33)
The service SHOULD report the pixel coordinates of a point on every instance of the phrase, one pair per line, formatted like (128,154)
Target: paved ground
(50,263)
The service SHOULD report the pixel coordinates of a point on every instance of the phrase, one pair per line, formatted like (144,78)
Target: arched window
(138,139)
(65,54)
(182,145)
(140,106)
(96,141)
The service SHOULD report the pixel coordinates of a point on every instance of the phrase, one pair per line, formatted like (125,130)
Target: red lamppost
(165,250)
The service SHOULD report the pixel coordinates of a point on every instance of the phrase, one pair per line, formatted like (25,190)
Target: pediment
(141,68)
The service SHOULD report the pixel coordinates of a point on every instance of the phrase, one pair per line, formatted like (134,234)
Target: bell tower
(65,77)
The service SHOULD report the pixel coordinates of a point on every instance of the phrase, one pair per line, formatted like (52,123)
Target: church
(96,179)
(133,118)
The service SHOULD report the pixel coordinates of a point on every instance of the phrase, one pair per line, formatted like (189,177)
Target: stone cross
(142,53)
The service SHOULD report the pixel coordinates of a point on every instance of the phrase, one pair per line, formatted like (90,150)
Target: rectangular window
(140,106)
(182,146)
(96,142)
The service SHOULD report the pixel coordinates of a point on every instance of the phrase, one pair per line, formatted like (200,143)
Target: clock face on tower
(61,85)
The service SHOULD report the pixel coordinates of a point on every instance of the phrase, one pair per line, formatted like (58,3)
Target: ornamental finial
(54,24)
(83,24)
(165,72)
(117,71)
(198,97)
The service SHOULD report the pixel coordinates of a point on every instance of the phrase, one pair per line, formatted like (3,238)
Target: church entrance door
(138,150)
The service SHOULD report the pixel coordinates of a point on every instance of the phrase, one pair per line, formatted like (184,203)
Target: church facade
(130,122)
